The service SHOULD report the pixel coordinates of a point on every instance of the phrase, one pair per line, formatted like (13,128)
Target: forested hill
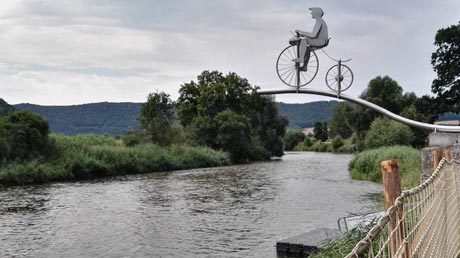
(5,108)
(306,114)
(118,118)
(96,118)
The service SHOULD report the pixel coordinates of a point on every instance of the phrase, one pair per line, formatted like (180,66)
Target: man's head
(316,12)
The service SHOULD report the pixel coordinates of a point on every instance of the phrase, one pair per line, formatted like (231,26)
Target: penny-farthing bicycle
(338,78)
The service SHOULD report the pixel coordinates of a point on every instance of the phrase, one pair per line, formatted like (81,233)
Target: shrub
(386,132)
(337,142)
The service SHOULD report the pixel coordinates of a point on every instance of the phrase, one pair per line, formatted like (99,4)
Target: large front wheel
(291,73)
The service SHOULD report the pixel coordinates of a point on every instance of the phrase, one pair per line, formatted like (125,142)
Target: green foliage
(384,92)
(24,136)
(306,114)
(446,64)
(292,138)
(270,127)
(337,142)
(340,122)
(309,141)
(233,134)
(321,131)
(358,142)
(366,165)
(223,112)
(386,132)
(90,156)
(156,118)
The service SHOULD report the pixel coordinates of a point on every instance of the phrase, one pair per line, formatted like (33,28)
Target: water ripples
(237,211)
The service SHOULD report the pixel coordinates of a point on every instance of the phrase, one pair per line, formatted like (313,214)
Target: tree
(446,64)
(202,106)
(292,138)
(157,117)
(382,91)
(321,131)
(386,132)
(233,135)
(340,124)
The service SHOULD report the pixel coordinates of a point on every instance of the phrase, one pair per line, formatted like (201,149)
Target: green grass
(366,165)
(90,156)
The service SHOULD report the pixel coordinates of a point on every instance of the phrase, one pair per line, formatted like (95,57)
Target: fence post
(447,154)
(437,157)
(392,190)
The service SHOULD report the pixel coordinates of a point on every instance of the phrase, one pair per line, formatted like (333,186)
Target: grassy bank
(366,165)
(91,156)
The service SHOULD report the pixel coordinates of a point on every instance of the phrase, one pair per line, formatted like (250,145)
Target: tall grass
(91,156)
(366,165)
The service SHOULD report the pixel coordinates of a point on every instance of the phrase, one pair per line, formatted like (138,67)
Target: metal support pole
(339,86)
(297,67)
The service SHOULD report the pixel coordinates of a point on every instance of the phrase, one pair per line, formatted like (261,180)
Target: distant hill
(305,115)
(97,118)
(118,118)
(5,108)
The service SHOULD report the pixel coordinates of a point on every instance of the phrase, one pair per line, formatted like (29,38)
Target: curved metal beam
(441,128)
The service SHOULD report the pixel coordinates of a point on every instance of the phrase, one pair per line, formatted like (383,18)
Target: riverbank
(90,156)
(366,165)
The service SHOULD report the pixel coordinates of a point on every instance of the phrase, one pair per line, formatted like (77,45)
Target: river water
(237,211)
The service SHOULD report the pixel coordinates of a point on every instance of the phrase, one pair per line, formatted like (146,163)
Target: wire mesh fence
(423,222)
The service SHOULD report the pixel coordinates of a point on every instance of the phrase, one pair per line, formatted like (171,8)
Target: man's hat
(317,9)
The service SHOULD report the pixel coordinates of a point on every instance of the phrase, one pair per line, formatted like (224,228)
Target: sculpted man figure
(316,39)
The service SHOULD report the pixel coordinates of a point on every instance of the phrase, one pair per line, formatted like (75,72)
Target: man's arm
(312,34)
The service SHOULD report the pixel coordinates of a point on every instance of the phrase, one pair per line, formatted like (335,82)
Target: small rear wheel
(290,72)
(334,77)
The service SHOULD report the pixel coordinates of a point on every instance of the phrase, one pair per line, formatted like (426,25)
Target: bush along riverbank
(90,156)
(366,165)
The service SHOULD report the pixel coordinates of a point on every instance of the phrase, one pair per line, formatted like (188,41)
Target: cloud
(81,51)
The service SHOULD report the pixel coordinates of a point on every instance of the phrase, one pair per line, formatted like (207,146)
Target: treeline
(304,115)
(96,118)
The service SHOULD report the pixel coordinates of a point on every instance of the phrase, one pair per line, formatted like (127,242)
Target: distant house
(448,122)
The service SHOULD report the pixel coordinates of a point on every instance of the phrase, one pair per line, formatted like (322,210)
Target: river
(237,211)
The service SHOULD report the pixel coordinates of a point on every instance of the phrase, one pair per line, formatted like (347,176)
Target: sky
(65,52)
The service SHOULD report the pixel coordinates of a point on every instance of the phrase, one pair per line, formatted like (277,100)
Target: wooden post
(392,190)
(437,156)
(447,154)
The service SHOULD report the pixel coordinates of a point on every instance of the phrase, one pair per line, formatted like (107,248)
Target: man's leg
(302,51)
(304,68)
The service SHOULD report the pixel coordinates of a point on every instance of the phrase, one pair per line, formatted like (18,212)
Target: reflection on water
(237,211)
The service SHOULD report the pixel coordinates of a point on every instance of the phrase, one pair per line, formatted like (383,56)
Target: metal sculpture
(298,64)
